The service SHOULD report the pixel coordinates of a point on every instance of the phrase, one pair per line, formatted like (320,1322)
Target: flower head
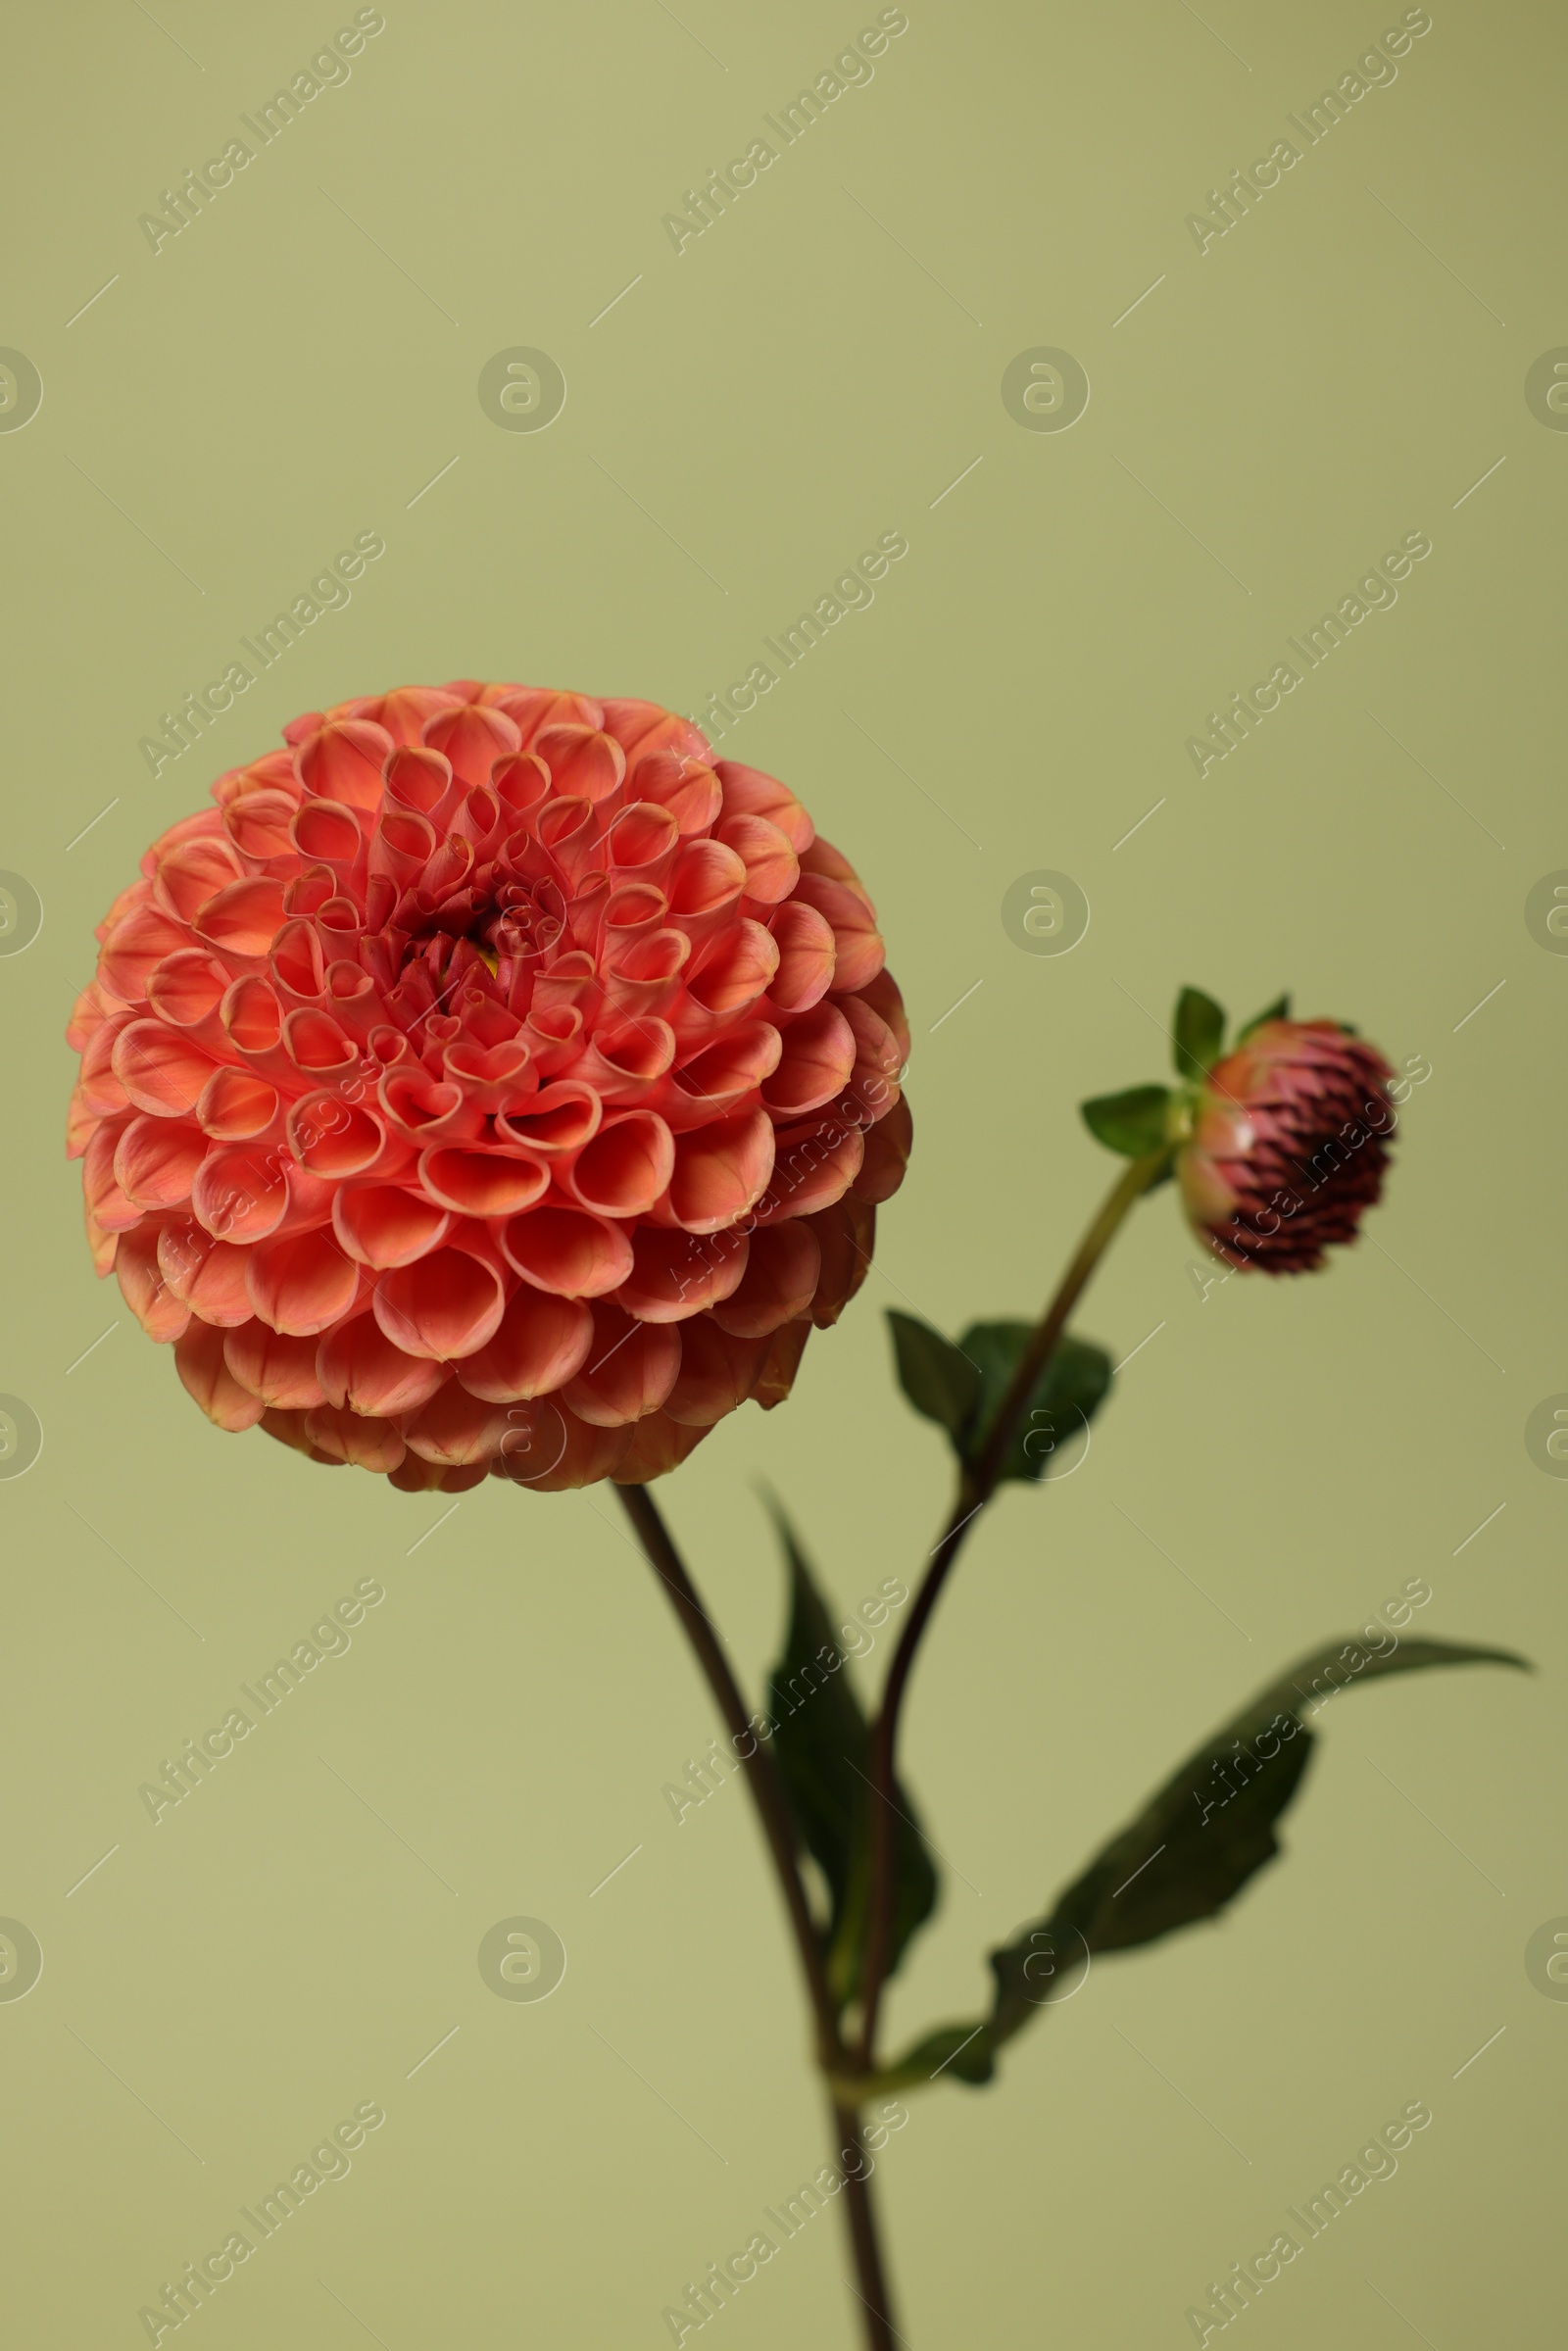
(489,1081)
(1288,1146)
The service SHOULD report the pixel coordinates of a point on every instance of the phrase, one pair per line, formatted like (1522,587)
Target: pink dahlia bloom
(489,1081)
(1288,1144)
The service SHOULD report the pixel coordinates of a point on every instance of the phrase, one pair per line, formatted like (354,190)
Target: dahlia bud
(489,1082)
(1288,1144)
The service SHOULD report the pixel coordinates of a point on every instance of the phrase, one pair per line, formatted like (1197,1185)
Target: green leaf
(1199,1027)
(960,1388)
(1209,1828)
(962,2052)
(1279,1009)
(1132,1123)
(822,1745)
(1065,1400)
(936,1376)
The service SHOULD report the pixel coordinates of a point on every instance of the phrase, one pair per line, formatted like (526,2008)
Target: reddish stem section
(871,2287)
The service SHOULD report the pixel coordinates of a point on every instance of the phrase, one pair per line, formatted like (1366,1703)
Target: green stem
(976,1485)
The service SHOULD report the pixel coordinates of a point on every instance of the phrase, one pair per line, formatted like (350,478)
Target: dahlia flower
(1288,1146)
(489,1081)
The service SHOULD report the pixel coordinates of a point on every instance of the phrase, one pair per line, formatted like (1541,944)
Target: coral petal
(133,950)
(205,1275)
(567,1251)
(157,1161)
(237,1106)
(160,1070)
(343,762)
(483,1183)
(658,1445)
(103,1246)
(289,1429)
(162,1315)
(626,1166)
(334,1138)
(857,942)
(415,1476)
(632,1369)
(805,957)
(540,1343)
(560,1118)
(473,739)
(717,1372)
(748,791)
(240,1194)
(818,1059)
(359,1367)
(721,1170)
(245,919)
(772,868)
(582,762)
(782,1271)
(384,1225)
(280,1370)
(548,1448)
(887,1156)
(457,1427)
(444,1305)
(845,1233)
(363,1439)
(675,1275)
(199,1360)
(300,1284)
(813,1165)
(108,1207)
(777,1375)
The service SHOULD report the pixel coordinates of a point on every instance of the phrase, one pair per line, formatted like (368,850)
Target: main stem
(976,1485)
(778,1829)
(859,2213)
(761,1777)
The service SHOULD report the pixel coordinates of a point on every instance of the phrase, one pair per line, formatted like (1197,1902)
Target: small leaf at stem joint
(1132,1123)
(1198,1032)
(937,1377)
(1279,1009)
(1065,1399)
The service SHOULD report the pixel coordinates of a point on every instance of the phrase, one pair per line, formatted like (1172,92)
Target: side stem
(976,1485)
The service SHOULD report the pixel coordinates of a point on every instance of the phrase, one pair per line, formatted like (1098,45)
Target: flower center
(506,915)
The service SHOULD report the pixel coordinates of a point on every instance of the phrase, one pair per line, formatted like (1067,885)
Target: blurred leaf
(962,1387)
(1208,1829)
(1065,1400)
(1199,1030)
(1132,1123)
(936,1376)
(820,1724)
(1279,1009)
(824,1749)
(963,2052)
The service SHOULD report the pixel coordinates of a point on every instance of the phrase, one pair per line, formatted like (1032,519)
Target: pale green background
(794,383)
